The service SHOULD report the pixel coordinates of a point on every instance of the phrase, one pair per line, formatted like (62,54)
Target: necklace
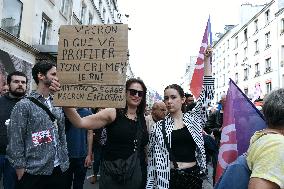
(131,116)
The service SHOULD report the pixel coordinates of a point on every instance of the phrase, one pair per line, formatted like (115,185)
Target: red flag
(197,77)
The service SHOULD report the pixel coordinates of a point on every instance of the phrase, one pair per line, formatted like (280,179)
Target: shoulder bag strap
(138,136)
(39,104)
(168,145)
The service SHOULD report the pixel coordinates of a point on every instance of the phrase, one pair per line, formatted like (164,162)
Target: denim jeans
(76,173)
(8,173)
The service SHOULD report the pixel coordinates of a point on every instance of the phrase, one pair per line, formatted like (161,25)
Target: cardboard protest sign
(91,65)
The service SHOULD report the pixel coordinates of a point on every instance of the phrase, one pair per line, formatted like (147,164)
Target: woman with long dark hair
(176,157)
(123,165)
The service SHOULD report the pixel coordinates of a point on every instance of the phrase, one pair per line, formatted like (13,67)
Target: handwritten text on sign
(92,55)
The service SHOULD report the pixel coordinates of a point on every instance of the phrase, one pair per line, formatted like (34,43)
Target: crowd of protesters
(48,147)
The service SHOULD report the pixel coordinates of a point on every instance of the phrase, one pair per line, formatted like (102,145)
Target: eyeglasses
(134,92)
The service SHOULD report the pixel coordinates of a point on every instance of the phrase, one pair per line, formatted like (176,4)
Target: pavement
(208,183)
(87,184)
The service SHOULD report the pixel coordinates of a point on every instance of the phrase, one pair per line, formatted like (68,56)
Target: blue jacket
(236,175)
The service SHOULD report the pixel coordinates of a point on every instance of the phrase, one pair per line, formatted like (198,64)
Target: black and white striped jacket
(158,175)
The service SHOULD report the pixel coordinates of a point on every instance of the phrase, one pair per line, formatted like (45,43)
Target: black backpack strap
(39,104)
(168,145)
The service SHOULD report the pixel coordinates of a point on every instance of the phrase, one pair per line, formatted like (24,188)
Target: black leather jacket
(214,122)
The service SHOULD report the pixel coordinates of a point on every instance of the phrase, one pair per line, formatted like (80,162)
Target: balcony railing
(268,69)
(257,73)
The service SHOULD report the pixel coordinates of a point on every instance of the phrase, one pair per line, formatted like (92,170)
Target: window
(282,57)
(236,59)
(245,34)
(228,44)
(268,65)
(100,5)
(217,83)
(45,29)
(83,13)
(256,47)
(64,6)
(104,14)
(90,19)
(236,42)
(282,25)
(268,87)
(236,77)
(267,17)
(245,53)
(228,62)
(224,63)
(257,72)
(267,40)
(246,91)
(224,80)
(246,74)
(283,81)
(256,26)
(12,16)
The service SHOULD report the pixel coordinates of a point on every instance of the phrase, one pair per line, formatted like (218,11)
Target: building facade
(188,74)
(252,53)
(29,29)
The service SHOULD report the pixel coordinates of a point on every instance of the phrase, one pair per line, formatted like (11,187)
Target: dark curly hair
(42,67)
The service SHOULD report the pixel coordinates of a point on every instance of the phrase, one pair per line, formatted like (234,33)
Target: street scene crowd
(175,145)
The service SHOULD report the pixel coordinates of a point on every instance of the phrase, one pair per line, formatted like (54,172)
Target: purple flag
(241,120)
(248,118)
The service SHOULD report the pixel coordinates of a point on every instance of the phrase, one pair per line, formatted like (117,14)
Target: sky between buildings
(164,34)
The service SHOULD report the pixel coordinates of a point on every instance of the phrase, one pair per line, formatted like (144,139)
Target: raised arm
(94,121)
(207,93)
(207,64)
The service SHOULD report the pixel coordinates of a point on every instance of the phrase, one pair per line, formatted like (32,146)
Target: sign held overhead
(91,65)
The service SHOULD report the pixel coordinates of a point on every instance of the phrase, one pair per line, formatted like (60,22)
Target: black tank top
(183,145)
(120,137)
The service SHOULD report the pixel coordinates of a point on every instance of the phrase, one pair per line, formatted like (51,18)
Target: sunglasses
(134,92)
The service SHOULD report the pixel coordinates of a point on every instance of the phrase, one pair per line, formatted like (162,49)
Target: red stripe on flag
(197,77)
